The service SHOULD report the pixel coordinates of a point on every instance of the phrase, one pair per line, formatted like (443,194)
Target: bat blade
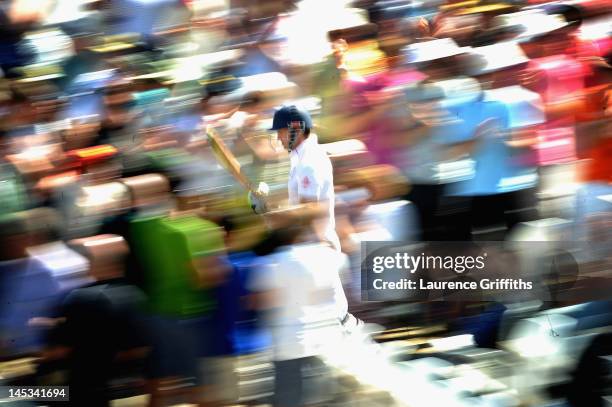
(227,158)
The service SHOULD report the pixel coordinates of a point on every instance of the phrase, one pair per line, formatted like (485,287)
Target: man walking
(311,174)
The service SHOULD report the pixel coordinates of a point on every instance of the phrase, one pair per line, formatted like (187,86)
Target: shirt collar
(310,140)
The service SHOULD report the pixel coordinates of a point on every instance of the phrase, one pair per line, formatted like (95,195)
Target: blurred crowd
(132,262)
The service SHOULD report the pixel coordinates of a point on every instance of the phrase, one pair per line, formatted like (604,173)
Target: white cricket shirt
(309,297)
(311,178)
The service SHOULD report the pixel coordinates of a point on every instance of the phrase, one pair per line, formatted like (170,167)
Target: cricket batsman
(311,173)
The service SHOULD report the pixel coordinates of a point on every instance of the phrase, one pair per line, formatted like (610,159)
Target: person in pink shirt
(559,78)
(368,87)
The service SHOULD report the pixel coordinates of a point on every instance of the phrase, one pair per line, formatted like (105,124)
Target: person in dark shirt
(100,322)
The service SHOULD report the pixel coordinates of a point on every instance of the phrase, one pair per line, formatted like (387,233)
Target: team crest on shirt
(305,182)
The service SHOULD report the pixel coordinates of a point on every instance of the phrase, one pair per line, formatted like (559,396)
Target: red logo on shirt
(305,182)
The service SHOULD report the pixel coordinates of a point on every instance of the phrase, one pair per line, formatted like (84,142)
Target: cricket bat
(229,161)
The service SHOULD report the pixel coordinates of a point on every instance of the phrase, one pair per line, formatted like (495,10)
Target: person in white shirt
(298,288)
(311,175)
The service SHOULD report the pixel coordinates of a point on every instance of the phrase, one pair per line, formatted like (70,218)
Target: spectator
(299,290)
(100,322)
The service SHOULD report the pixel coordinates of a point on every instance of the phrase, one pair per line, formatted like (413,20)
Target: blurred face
(505,77)
(217,105)
(283,137)
(339,48)
(275,50)
(440,69)
(46,110)
(555,44)
(82,131)
(118,109)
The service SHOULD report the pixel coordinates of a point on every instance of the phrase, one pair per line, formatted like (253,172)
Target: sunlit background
(135,271)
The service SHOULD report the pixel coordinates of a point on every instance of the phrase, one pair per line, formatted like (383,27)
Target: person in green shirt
(182,261)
